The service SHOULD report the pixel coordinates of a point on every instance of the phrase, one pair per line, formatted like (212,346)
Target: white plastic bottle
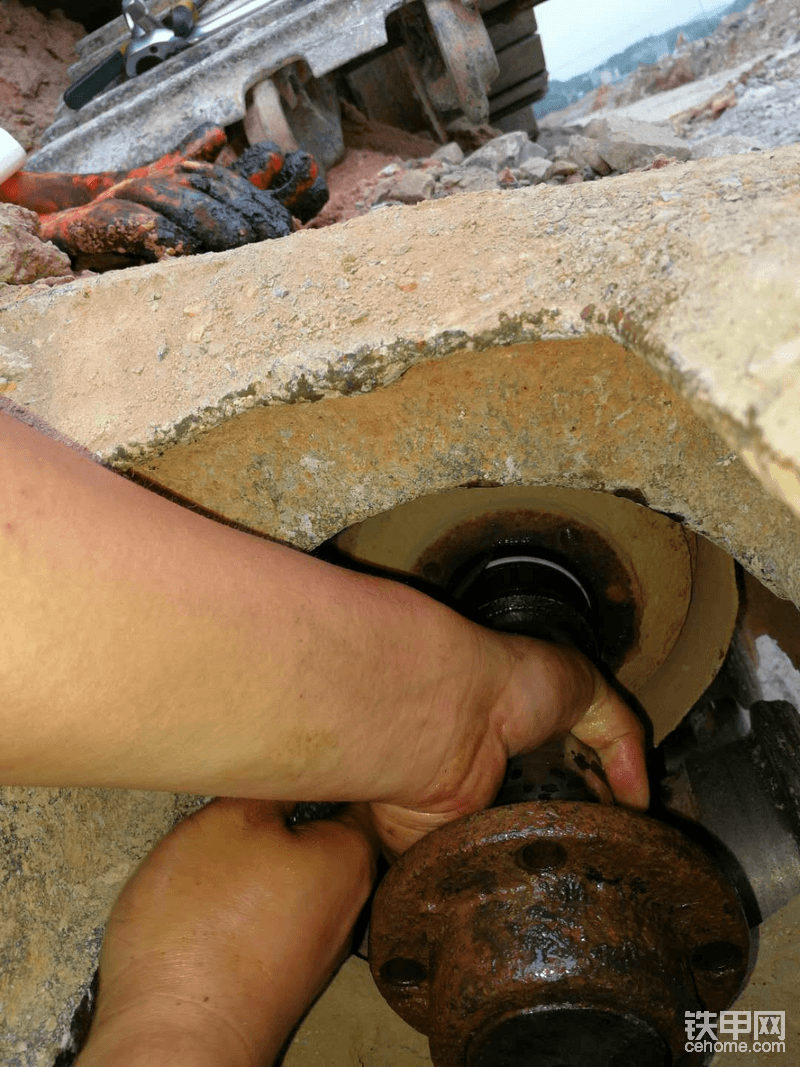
(12,155)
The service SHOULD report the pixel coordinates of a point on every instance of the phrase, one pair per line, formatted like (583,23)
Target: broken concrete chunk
(408,187)
(725,146)
(561,168)
(531,150)
(626,144)
(472,180)
(657,135)
(623,156)
(449,153)
(23,257)
(506,151)
(583,150)
(534,169)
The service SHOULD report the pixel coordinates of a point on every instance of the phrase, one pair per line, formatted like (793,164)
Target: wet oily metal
(583,550)
(569,933)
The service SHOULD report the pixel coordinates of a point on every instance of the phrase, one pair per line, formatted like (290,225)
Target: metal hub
(517,589)
(507,933)
(562,932)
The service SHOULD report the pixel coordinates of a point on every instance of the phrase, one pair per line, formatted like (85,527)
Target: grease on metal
(534,907)
(590,557)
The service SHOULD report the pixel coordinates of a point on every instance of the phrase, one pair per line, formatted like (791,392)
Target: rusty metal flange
(468,55)
(565,929)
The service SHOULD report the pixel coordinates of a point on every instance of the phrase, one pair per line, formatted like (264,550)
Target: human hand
(201,197)
(544,690)
(177,211)
(225,934)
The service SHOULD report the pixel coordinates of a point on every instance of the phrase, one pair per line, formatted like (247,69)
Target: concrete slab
(690,270)
(637,335)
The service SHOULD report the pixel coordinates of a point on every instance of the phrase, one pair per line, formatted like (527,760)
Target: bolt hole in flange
(567,1036)
(542,856)
(402,971)
(717,957)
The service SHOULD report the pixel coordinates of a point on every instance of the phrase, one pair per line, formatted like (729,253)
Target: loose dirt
(370,146)
(35,51)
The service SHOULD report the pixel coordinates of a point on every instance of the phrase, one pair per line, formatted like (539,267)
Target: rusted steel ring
(566,930)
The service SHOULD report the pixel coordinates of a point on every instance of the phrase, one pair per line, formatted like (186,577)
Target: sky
(579,34)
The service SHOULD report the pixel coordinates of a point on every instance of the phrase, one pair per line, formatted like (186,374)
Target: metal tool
(153,40)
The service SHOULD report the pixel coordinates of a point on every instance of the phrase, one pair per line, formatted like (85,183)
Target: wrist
(466,670)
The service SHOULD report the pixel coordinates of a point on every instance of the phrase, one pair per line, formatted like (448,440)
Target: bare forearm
(145,646)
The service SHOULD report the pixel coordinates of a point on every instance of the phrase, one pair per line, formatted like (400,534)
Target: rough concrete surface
(690,268)
(66,855)
(639,334)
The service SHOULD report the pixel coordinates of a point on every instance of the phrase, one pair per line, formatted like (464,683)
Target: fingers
(300,186)
(260,164)
(347,837)
(617,736)
(113,232)
(266,217)
(555,689)
(399,828)
(214,226)
(204,143)
(232,911)
(358,817)
(49,192)
(218,208)
(184,205)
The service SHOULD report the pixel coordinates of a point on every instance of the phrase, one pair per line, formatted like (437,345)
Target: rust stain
(582,549)
(528,910)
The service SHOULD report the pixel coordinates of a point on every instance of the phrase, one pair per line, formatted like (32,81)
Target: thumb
(555,689)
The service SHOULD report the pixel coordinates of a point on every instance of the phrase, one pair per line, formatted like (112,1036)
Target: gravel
(766,111)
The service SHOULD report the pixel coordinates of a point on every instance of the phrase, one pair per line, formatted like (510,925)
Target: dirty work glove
(296,181)
(188,208)
(190,200)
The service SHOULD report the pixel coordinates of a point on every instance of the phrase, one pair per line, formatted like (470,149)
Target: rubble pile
(763,106)
(756,109)
(605,147)
(766,26)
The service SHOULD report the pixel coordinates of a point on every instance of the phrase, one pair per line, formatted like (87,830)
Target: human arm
(145,646)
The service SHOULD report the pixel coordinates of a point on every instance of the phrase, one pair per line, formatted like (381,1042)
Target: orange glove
(199,198)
